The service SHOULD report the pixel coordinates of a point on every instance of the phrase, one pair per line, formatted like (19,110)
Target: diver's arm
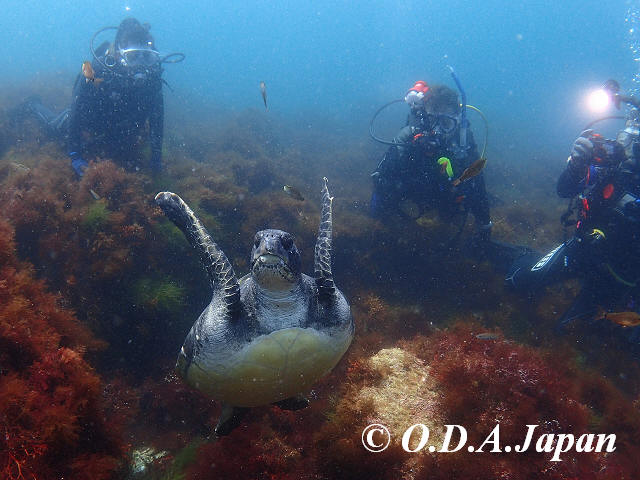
(478,201)
(570,183)
(391,160)
(80,105)
(404,138)
(156,128)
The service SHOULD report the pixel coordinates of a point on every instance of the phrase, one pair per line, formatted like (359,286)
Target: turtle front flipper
(215,262)
(322,255)
(230,418)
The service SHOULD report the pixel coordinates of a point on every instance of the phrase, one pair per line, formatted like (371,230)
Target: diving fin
(503,254)
(583,307)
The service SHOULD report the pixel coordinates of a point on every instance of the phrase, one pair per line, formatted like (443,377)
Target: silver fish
(487,336)
(263,91)
(20,167)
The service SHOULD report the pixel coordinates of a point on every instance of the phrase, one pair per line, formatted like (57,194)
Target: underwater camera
(604,149)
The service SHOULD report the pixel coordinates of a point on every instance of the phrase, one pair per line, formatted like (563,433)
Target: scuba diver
(427,159)
(602,179)
(117,102)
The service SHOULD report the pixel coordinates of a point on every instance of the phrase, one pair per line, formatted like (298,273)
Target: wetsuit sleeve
(478,201)
(403,138)
(80,106)
(156,123)
(391,159)
(570,183)
(476,198)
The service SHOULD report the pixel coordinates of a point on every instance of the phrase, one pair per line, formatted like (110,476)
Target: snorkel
(463,109)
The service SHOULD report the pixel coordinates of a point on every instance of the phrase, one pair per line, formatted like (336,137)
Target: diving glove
(581,153)
(78,163)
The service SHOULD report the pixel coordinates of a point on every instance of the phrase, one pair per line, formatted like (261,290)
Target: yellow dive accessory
(486,127)
(448,168)
(618,278)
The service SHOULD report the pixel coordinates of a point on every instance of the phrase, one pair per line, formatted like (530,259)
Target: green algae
(162,294)
(96,216)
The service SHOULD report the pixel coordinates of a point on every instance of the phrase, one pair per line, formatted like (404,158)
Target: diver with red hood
(433,163)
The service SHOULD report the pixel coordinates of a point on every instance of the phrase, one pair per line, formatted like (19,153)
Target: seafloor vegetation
(98,289)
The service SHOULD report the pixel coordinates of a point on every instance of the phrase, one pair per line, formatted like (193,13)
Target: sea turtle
(267,337)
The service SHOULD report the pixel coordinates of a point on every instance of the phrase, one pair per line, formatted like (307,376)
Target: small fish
(626,319)
(474,169)
(293,192)
(263,91)
(94,194)
(20,167)
(487,336)
(89,74)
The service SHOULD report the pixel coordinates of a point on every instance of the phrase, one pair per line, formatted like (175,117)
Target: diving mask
(139,57)
(440,122)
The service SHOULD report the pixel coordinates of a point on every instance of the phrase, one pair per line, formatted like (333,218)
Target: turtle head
(275,260)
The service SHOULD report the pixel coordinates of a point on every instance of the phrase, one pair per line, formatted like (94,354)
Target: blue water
(527,65)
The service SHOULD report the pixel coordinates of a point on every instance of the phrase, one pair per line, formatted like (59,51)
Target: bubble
(632,19)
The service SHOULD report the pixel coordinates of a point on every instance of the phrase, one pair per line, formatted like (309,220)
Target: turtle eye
(287,242)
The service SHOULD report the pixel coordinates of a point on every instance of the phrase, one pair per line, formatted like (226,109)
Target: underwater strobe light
(600,99)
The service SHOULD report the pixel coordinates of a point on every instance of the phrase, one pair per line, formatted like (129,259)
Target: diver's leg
(60,123)
(57,124)
(381,201)
(530,271)
(42,113)
(505,256)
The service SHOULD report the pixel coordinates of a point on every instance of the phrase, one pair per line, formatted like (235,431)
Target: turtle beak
(269,259)
(266,254)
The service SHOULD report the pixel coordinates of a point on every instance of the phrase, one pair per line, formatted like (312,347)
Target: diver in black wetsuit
(433,149)
(117,102)
(604,177)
